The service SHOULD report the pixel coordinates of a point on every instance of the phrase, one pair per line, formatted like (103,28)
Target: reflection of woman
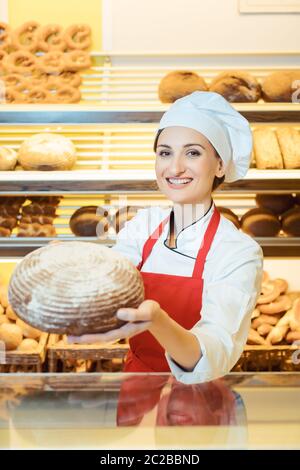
(211,403)
(202,276)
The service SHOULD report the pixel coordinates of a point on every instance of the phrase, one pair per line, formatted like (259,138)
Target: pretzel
(269,292)
(39,95)
(50,38)
(77,60)
(72,79)
(20,62)
(26,37)
(52,62)
(8,222)
(282,284)
(5,232)
(36,208)
(78,36)
(5,36)
(45,200)
(37,219)
(67,94)
(38,77)
(12,96)
(13,80)
(36,230)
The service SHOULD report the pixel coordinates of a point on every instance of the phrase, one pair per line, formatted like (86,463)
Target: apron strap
(148,246)
(206,244)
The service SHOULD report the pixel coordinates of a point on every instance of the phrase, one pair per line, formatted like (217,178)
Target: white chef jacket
(231,284)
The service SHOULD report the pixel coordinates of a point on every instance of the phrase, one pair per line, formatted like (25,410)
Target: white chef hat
(226,129)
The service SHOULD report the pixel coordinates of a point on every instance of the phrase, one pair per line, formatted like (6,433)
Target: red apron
(179,296)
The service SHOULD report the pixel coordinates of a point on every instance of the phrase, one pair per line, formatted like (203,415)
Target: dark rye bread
(74,288)
(260,222)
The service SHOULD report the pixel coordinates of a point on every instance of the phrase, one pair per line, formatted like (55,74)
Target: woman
(202,276)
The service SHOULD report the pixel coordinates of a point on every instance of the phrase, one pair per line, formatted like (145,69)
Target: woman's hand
(139,319)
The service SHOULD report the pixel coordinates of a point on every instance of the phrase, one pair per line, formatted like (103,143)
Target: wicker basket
(26,361)
(63,357)
(273,358)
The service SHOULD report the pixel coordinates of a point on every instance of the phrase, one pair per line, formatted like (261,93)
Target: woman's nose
(177,165)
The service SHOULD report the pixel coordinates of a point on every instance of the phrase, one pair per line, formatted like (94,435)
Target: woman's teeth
(179,180)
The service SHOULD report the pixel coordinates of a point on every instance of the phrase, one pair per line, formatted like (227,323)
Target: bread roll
(289,142)
(276,203)
(230,215)
(280,86)
(8,159)
(267,150)
(11,335)
(74,288)
(260,223)
(123,215)
(179,83)
(86,222)
(291,222)
(236,86)
(47,152)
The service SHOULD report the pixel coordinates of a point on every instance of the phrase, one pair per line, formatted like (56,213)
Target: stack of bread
(37,217)
(237,86)
(9,213)
(276,318)
(41,64)
(14,332)
(277,149)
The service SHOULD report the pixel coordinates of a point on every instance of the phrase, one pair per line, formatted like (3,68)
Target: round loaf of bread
(179,83)
(8,158)
(236,86)
(280,86)
(276,203)
(47,152)
(260,223)
(291,222)
(87,222)
(74,288)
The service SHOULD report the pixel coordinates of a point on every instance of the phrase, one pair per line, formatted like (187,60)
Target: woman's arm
(181,345)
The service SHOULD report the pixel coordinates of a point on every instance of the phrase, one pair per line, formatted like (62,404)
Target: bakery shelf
(133,181)
(129,113)
(21,246)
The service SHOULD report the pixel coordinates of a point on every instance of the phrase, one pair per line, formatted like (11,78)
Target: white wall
(195,26)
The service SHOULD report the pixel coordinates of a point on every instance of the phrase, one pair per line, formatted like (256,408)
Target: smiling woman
(201,275)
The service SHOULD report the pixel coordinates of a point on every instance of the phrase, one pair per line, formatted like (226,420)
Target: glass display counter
(149,411)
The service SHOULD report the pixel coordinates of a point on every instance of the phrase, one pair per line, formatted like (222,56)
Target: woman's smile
(178,183)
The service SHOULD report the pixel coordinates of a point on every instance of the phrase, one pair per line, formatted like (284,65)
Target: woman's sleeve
(227,304)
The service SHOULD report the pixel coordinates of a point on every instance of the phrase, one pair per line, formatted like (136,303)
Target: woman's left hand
(139,319)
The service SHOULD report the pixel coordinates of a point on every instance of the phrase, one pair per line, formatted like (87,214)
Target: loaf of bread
(276,203)
(179,83)
(236,86)
(289,142)
(260,222)
(267,150)
(74,288)
(47,152)
(291,222)
(280,86)
(8,158)
(88,222)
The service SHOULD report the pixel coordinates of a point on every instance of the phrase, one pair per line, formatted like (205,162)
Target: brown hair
(217,181)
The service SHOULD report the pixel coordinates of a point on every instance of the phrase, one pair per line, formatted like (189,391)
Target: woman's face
(186,165)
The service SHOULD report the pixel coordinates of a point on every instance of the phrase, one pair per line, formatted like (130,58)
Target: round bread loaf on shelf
(276,203)
(291,222)
(281,85)
(8,158)
(180,83)
(236,86)
(230,215)
(87,222)
(74,288)
(260,222)
(47,152)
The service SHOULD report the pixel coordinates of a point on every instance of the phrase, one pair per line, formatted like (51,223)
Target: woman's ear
(220,171)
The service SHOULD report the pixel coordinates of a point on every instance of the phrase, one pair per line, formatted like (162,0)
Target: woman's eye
(164,153)
(193,153)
